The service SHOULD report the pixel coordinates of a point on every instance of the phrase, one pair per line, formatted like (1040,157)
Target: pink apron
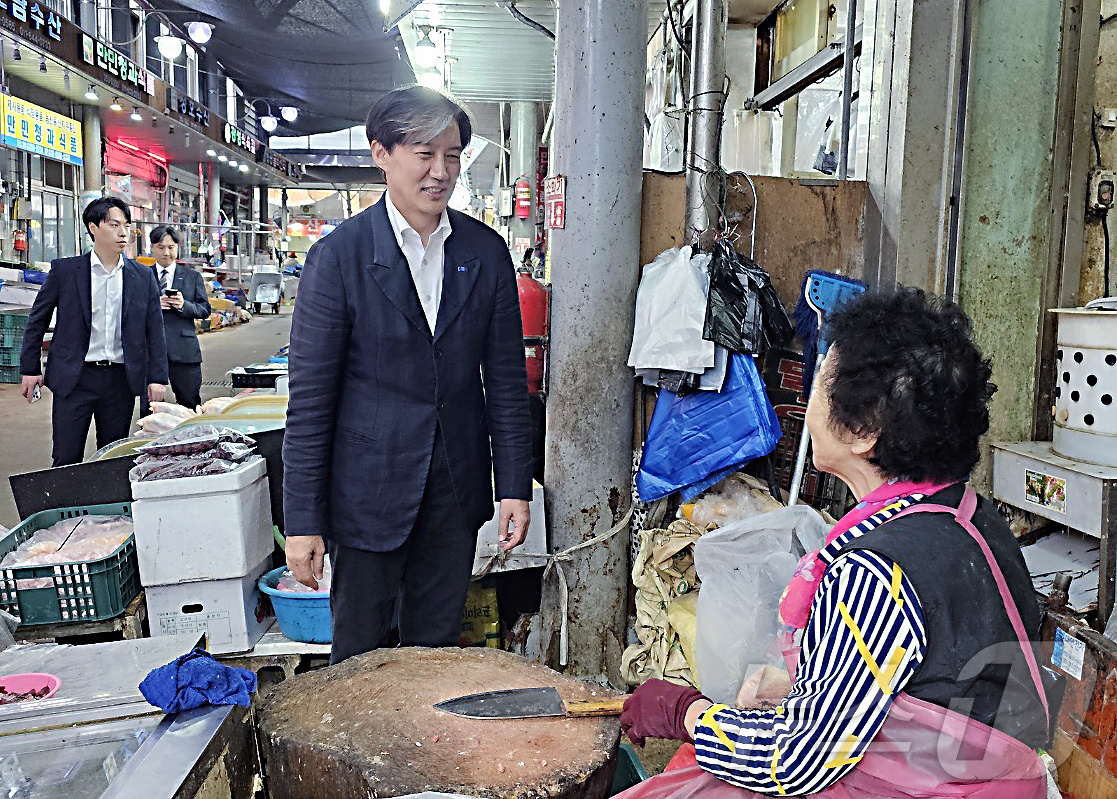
(922,750)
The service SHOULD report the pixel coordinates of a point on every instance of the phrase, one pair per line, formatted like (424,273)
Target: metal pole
(595,266)
(525,162)
(847,88)
(707,99)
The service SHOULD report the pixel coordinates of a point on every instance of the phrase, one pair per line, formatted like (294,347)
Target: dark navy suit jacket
(182,338)
(369,383)
(69,288)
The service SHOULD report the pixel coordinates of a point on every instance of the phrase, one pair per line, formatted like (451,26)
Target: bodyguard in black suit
(108,345)
(408,394)
(184,300)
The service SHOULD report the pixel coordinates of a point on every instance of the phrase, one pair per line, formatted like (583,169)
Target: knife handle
(594,707)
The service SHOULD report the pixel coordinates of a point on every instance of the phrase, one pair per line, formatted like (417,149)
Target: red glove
(657,709)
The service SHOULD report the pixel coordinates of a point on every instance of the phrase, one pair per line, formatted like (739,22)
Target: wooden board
(367,727)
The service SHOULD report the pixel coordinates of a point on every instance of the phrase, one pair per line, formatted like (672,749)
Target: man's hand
(515,518)
(28,384)
(173,302)
(305,554)
(156,392)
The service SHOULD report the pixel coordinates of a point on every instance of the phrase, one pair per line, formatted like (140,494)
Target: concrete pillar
(908,152)
(213,208)
(92,165)
(525,161)
(87,16)
(1007,221)
(599,97)
(262,240)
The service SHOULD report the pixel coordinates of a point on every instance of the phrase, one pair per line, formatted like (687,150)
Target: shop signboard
(285,166)
(186,107)
(34,15)
(37,130)
(238,138)
(555,189)
(540,178)
(115,68)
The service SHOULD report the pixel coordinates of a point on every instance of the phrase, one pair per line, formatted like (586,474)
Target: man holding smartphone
(183,300)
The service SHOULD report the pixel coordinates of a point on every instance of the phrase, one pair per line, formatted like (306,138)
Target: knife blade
(527,703)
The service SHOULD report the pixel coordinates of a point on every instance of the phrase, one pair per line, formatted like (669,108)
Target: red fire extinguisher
(534,301)
(19,241)
(523,198)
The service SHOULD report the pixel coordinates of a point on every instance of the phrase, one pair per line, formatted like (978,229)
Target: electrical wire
(1106,20)
(531,23)
(1105,232)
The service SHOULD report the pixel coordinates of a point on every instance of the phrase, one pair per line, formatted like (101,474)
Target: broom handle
(804,444)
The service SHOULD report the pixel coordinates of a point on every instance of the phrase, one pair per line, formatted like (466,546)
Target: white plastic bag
(744,569)
(670,314)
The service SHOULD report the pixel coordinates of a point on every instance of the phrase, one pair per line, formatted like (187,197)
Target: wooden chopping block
(367,728)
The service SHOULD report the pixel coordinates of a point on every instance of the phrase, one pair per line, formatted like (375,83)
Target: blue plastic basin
(301,617)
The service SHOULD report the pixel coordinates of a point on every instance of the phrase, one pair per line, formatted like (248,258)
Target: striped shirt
(864,641)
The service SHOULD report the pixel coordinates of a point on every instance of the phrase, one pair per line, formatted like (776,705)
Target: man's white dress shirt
(165,276)
(107,301)
(426,263)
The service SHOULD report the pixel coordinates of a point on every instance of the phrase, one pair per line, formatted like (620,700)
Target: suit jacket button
(441,405)
(438,353)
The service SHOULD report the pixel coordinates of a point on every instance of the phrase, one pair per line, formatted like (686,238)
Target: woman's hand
(658,709)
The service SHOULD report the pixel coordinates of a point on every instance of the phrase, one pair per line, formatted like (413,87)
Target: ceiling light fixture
(232,162)
(199,32)
(42,63)
(136,114)
(115,105)
(91,94)
(269,123)
(289,112)
(431,78)
(186,139)
(16,54)
(244,167)
(66,79)
(211,152)
(222,158)
(426,51)
(385,7)
(170,47)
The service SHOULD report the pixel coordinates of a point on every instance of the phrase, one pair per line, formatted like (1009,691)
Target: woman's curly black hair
(907,370)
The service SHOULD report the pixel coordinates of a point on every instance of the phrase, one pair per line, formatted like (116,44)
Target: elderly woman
(916,676)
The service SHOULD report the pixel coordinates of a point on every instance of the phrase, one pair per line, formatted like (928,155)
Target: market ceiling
(331,59)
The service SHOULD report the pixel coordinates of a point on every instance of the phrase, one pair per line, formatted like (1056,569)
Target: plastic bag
(167,468)
(287,581)
(159,423)
(181,411)
(738,498)
(744,313)
(744,569)
(215,405)
(670,309)
(194,438)
(705,434)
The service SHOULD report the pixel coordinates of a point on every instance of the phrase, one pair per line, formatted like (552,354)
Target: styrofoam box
(213,527)
(232,613)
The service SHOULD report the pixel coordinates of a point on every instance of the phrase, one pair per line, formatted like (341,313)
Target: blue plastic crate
(77,592)
(35,276)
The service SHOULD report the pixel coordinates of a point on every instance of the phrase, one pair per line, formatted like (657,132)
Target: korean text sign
(35,129)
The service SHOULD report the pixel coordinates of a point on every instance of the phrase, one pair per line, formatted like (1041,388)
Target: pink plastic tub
(22,683)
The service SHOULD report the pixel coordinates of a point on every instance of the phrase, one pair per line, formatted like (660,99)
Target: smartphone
(171,292)
(36,394)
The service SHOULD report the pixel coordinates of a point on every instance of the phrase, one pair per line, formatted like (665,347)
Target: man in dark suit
(184,300)
(108,345)
(408,393)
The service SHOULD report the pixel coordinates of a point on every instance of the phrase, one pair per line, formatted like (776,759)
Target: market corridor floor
(25,429)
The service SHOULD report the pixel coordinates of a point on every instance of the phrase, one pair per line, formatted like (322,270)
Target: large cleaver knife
(527,703)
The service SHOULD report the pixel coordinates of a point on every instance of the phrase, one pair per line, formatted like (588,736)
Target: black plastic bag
(743,313)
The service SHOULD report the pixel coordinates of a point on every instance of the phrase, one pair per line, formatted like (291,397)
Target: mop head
(807,317)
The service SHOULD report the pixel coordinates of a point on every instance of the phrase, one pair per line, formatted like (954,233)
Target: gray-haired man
(408,393)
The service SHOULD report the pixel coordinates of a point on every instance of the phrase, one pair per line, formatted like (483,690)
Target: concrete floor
(25,429)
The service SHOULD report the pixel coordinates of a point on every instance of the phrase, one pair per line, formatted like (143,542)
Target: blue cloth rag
(196,679)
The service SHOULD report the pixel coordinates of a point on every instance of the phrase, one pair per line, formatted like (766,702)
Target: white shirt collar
(400,225)
(95,261)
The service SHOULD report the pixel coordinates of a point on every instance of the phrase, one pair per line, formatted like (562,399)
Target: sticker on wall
(1045,491)
(1068,654)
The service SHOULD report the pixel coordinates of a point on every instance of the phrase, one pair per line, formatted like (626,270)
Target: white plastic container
(213,527)
(1086,386)
(232,613)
